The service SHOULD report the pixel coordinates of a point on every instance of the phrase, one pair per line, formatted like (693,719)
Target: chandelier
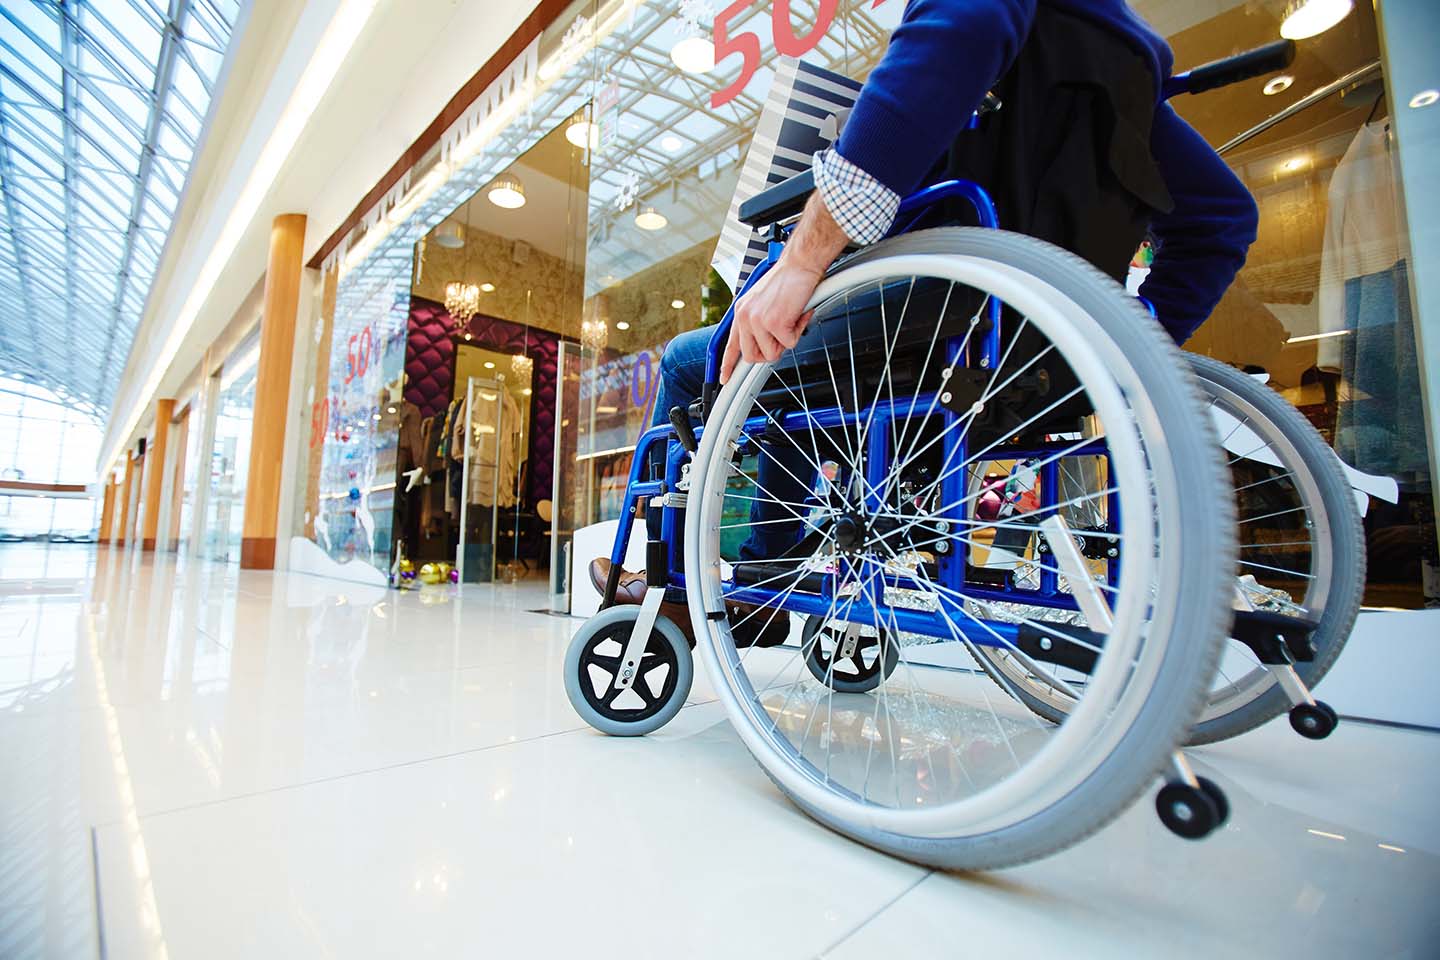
(521,366)
(594,334)
(462,300)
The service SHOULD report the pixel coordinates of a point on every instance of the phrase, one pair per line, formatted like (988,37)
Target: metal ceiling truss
(101,107)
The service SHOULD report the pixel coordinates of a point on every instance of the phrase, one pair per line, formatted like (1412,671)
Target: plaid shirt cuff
(862,206)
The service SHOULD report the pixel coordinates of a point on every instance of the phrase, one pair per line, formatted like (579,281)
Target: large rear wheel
(865,438)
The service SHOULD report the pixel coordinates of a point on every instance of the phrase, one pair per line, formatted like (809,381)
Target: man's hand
(770,317)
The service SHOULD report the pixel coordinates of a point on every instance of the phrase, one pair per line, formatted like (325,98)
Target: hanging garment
(1364,299)
(495,453)
(1362,230)
(1381,426)
(411,453)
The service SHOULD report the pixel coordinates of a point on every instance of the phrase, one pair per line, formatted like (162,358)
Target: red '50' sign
(782,30)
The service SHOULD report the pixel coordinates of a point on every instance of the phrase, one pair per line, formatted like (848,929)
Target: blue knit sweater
(944,56)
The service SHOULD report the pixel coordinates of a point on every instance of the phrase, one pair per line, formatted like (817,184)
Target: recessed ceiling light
(489,365)
(1424,98)
(507,192)
(1277,84)
(671,143)
(678,304)
(622,324)
(389,409)
(1309,18)
(487,287)
(467,336)
(648,218)
(582,133)
(694,55)
(376,417)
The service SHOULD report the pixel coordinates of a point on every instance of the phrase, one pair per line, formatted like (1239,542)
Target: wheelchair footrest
(780,576)
(1275,638)
(1062,651)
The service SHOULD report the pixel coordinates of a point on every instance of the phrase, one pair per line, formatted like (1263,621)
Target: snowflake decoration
(694,13)
(629,191)
(574,36)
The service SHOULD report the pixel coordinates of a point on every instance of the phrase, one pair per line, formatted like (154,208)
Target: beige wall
(555,285)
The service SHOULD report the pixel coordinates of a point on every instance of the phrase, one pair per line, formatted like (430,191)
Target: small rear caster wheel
(1313,721)
(1217,797)
(873,659)
(1190,812)
(661,683)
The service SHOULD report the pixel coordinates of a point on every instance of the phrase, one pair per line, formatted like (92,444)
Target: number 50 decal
(747,44)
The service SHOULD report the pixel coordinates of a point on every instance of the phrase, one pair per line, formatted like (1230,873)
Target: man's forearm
(816,240)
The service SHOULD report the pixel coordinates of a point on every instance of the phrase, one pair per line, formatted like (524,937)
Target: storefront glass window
(229,460)
(1323,306)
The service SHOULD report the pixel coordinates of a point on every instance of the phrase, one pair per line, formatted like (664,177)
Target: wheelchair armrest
(776,203)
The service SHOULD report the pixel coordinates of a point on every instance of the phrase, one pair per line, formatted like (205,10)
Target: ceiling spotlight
(582,133)
(671,143)
(1424,98)
(678,304)
(1277,84)
(450,235)
(507,192)
(487,287)
(468,337)
(648,218)
(489,365)
(1309,18)
(622,324)
(694,55)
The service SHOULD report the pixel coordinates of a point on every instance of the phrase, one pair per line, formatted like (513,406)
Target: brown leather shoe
(631,588)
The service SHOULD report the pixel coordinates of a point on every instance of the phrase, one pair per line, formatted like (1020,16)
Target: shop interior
(495,295)
(1322,307)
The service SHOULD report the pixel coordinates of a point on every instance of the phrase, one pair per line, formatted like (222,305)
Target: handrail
(1309,100)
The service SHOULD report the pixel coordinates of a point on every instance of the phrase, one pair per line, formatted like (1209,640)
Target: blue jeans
(783,466)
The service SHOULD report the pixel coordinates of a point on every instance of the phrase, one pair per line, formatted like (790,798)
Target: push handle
(1242,66)
(680,420)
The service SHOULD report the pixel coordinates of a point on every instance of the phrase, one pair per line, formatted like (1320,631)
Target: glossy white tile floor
(196,762)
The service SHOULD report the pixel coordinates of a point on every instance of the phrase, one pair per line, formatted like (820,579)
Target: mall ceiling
(102,105)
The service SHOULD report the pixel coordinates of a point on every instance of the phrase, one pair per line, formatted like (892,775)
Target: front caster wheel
(871,658)
(1190,812)
(661,683)
(1313,721)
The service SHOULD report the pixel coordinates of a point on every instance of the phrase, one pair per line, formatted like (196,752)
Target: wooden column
(123,512)
(272,391)
(155,479)
(107,509)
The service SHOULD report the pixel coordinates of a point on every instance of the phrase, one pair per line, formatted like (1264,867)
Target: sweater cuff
(862,206)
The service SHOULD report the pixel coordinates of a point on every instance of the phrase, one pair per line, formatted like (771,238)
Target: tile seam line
(100,948)
(849,934)
(365,772)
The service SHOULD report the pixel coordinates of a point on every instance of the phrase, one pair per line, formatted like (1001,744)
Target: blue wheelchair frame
(869,607)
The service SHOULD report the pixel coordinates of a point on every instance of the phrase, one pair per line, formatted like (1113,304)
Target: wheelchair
(958,689)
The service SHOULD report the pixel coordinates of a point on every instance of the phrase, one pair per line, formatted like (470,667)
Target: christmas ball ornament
(430,573)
